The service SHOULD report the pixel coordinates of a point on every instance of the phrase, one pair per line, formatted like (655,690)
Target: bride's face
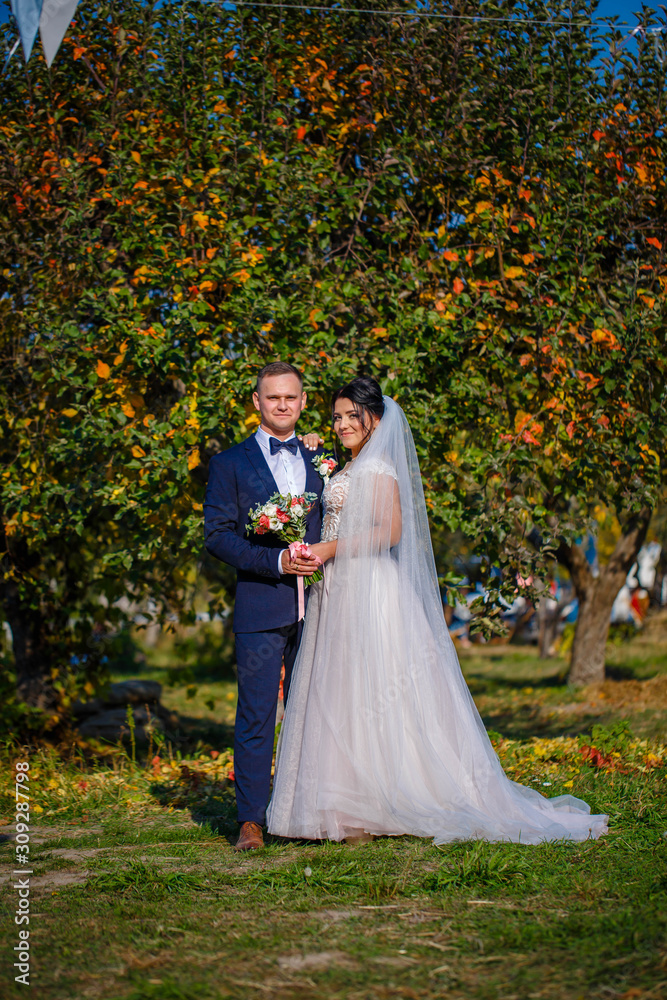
(348,424)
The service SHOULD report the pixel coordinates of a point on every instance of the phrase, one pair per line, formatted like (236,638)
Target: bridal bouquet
(285,516)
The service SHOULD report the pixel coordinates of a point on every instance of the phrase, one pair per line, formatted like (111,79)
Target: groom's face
(280,401)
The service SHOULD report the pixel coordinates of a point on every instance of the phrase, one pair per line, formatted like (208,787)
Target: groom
(266,612)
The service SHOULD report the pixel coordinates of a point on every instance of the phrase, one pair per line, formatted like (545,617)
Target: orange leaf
(458,286)
(590,380)
(570,429)
(654,242)
(605,338)
(301,133)
(138,452)
(103,369)
(450,255)
(193,459)
(521,420)
(597,135)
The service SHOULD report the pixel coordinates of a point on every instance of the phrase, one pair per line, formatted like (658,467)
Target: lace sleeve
(373,526)
(378,466)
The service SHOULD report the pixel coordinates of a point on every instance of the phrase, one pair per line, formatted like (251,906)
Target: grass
(138,878)
(520,695)
(138,894)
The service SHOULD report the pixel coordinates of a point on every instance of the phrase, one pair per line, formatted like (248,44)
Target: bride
(380,733)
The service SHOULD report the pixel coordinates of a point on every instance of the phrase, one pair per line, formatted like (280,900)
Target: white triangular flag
(54,22)
(27,14)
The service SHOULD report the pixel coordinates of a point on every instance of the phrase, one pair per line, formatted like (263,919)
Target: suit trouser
(259,658)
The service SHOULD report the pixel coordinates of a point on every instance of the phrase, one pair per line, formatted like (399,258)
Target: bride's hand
(325,550)
(312,440)
(300,566)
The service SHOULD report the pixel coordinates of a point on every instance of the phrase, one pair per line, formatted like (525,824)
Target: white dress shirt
(288,470)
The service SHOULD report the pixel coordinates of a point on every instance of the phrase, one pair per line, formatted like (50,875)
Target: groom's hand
(311,440)
(299,566)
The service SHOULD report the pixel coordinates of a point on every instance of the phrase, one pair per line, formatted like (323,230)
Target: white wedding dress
(380,732)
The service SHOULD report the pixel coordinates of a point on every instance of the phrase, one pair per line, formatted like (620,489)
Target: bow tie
(276,445)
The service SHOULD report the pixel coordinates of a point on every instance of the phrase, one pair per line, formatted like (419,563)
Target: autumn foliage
(473,212)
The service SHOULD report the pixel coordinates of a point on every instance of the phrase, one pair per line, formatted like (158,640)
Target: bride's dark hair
(365,392)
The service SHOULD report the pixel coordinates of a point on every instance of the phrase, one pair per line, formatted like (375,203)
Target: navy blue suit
(266,608)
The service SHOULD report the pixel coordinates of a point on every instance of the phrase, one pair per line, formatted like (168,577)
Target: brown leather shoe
(250,838)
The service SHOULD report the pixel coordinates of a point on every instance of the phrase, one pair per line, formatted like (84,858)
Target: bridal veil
(381,732)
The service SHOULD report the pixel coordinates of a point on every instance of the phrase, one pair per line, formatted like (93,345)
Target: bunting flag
(54,22)
(27,13)
(52,17)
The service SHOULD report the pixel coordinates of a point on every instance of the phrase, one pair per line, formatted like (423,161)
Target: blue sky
(607,8)
(623,9)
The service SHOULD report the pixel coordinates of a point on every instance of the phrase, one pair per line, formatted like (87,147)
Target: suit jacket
(239,479)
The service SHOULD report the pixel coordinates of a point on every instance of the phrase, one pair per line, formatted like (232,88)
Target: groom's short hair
(278,368)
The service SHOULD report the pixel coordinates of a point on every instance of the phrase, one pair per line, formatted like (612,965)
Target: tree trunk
(31,659)
(596,596)
(660,573)
(587,665)
(30,644)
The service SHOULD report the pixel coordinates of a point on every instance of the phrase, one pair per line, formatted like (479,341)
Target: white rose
(271,509)
(297,510)
(275,524)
